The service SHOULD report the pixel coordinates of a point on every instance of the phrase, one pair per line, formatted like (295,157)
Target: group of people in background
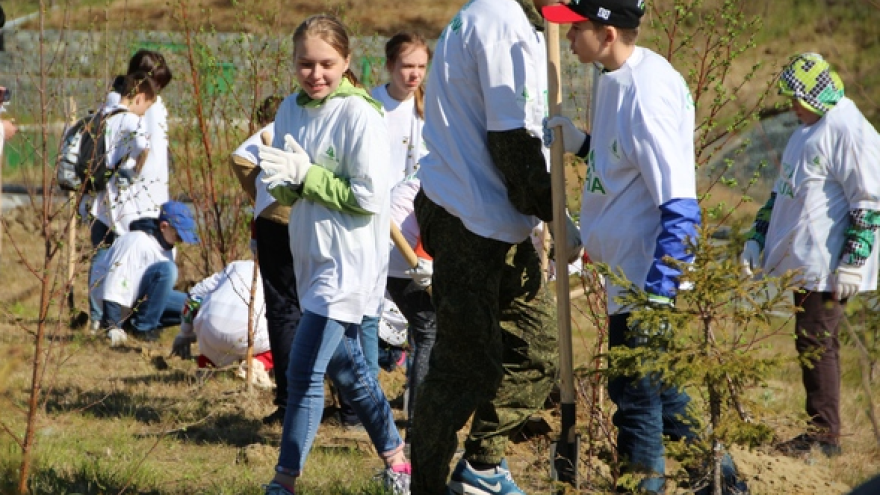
(460,167)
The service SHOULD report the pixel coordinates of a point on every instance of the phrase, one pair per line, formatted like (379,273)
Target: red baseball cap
(618,13)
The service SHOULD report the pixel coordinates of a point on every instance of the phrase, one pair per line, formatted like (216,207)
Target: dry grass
(383,17)
(133,417)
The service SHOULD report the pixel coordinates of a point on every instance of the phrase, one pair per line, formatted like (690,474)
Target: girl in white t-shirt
(330,162)
(406,55)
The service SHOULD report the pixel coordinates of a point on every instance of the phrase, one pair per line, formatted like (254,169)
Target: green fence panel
(21,151)
(371,69)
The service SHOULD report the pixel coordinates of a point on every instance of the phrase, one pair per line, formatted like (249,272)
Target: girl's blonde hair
(397,45)
(332,31)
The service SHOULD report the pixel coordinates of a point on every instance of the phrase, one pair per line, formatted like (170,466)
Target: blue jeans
(324,346)
(415,304)
(102,238)
(646,411)
(369,335)
(370,343)
(158,305)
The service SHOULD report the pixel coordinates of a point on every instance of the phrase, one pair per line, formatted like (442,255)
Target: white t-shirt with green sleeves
(828,168)
(341,259)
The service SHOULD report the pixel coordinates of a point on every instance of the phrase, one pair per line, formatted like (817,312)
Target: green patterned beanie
(810,79)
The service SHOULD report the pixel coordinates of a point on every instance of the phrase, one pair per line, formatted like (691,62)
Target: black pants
(817,341)
(282,304)
(415,304)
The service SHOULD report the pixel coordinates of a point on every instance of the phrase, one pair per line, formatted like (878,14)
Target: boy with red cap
(640,173)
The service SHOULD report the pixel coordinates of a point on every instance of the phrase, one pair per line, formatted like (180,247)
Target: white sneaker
(117,337)
(396,483)
(95,326)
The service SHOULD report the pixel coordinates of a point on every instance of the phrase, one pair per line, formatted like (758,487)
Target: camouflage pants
(495,356)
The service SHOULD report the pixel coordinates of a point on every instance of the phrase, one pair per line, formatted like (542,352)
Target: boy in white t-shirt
(216,314)
(127,149)
(638,206)
(485,186)
(138,274)
(821,220)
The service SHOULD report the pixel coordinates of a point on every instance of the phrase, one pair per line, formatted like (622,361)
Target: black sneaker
(803,444)
(276,418)
(148,336)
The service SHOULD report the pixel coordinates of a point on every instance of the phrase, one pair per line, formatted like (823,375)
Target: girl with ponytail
(330,162)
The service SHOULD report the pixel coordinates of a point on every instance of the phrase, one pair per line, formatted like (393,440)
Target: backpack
(82,160)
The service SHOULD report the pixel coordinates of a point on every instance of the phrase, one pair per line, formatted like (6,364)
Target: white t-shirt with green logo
(341,259)
(641,157)
(828,168)
(489,73)
(222,321)
(405,133)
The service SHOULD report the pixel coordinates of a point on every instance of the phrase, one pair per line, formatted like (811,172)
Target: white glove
(181,344)
(422,273)
(574,248)
(750,258)
(572,137)
(847,281)
(289,165)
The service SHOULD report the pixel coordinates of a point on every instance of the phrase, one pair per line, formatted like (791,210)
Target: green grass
(113,420)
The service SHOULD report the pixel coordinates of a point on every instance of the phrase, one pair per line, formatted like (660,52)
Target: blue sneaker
(274,488)
(466,481)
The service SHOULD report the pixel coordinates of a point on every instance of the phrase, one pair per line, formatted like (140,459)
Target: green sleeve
(322,187)
(860,236)
(762,222)
(285,195)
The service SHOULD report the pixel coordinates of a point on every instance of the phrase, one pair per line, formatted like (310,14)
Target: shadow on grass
(106,404)
(225,429)
(83,480)
(172,377)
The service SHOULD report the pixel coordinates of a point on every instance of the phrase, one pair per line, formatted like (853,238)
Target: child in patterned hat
(821,220)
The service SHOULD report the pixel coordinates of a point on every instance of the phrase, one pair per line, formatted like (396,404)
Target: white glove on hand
(422,273)
(289,165)
(574,248)
(181,344)
(572,137)
(847,281)
(750,259)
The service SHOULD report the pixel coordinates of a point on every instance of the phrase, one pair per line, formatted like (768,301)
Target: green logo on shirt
(784,186)
(593,184)
(614,150)
(331,153)
(455,24)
